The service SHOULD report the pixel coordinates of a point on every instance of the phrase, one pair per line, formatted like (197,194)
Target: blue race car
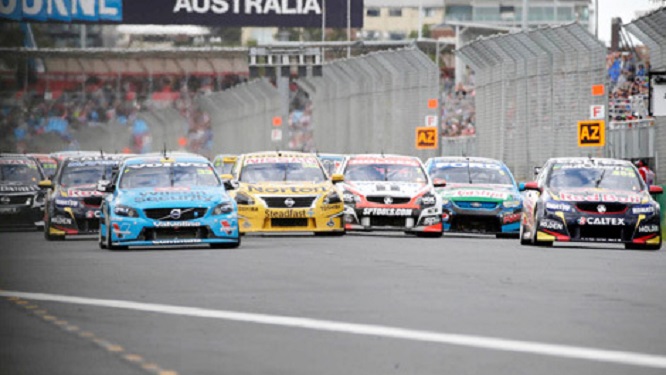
(479,195)
(167,200)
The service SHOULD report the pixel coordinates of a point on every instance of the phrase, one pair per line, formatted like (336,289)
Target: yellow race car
(286,192)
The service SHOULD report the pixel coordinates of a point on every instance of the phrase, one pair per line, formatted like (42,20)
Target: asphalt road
(361,304)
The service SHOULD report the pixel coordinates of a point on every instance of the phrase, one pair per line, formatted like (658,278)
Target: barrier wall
(373,103)
(531,90)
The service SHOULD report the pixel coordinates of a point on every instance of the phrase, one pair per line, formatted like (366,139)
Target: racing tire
(109,245)
(48,236)
(429,234)
(101,241)
(521,235)
(536,242)
(232,245)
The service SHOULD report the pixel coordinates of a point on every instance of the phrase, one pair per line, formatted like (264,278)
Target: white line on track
(553,350)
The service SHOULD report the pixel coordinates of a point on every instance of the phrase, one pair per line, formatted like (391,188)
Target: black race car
(21,199)
(591,200)
(73,206)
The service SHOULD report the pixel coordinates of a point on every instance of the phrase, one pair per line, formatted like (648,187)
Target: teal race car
(479,195)
(175,200)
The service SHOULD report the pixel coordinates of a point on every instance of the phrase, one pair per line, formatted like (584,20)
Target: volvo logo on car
(388,200)
(601,208)
(5,200)
(175,213)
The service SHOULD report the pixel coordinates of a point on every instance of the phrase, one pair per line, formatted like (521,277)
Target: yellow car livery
(287,192)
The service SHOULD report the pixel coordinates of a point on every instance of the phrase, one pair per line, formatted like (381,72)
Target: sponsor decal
(84,193)
(431,220)
(427,200)
(307,161)
(161,196)
(558,206)
(92,163)
(66,202)
(464,165)
(648,228)
(8,210)
(165,165)
(392,161)
(17,189)
(247,224)
(287,214)
(93,214)
(292,189)
(480,193)
(226,227)
(173,242)
(616,221)
(242,208)
(173,188)
(551,224)
(596,197)
(511,218)
(387,212)
(330,223)
(596,239)
(643,210)
(331,207)
(176,224)
(7,161)
(445,217)
(61,220)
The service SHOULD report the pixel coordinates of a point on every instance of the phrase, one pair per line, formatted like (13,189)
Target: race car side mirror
(655,189)
(105,186)
(532,185)
(45,184)
(231,184)
(537,170)
(337,178)
(439,182)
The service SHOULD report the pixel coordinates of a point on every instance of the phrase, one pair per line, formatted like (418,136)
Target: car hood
(14,187)
(285,188)
(171,197)
(479,192)
(599,195)
(387,188)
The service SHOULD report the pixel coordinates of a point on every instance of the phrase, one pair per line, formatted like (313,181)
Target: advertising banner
(220,13)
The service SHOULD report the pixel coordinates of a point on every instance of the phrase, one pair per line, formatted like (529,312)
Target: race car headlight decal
(445,202)
(244,199)
(511,204)
(643,209)
(559,206)
(121,210)
(332,198)
(223,208)
(350,197)
(427,200)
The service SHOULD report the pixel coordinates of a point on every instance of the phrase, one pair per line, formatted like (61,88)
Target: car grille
(87,225)
(281,223)
(611,208)
(181,233)
(601,232)
(18,199)
(92,201)
(475,224)
(279,202)
(472,205)
(396,200)
(165,213)
(381,221)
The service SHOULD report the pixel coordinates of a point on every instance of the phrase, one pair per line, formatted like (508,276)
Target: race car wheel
(108,244)
(523,241)
(232,245)
(101,241)
(536,242)
(48,236)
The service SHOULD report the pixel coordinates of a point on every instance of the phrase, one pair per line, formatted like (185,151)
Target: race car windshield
(276,172)
(19,173)
(224,168)
(460,174)
(168,175)
(87,175)
(611,177)
(385,172)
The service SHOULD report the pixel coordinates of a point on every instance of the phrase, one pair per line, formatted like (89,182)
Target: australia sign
(221,13)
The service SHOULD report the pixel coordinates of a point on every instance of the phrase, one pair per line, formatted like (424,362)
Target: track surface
(577,297)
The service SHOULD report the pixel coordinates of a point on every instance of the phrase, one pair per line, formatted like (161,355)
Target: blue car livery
(164,201)
(479,195)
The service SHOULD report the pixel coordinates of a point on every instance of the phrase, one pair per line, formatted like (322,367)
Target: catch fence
(531,90)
